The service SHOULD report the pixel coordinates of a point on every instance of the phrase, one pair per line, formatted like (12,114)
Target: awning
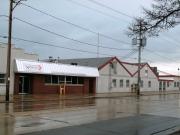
(39,67)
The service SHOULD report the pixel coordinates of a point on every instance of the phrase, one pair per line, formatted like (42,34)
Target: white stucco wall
(171,86)
(16,53)
(105,79)
(146,77)
(107,75)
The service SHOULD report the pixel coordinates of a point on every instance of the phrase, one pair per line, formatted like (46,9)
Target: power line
(75,25)
(151,51)
(110,8)
(129,54)
(53,33)
(57,46)
(93,9)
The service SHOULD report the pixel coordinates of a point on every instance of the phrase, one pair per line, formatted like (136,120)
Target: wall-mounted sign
(32,68)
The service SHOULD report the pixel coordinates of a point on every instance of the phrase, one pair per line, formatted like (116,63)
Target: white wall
(105,79)
(146,77)
(16,53)
(171,84)
(107,75)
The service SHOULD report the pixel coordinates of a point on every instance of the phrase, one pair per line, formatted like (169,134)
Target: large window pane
(48,79)
(2,78)
(55,79)
(68,79)
(74,80)
(80,80)
(61,79)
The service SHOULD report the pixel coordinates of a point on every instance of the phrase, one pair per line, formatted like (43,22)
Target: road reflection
(28,116)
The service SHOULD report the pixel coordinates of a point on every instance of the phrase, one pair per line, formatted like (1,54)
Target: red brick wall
(16,84)
(39,86)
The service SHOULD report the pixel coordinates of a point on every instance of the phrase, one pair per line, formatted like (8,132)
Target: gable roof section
(115,58)
(134,72)
(94,62)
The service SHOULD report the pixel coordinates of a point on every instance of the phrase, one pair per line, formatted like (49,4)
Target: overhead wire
(57,46)
(62,36)
(75,25)
(110,8)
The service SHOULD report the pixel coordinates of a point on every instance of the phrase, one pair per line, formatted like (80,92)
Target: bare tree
(165,14)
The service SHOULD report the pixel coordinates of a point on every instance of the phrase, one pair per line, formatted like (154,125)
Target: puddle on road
(33,124)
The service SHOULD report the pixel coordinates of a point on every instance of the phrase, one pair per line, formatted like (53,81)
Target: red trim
(121,63)
(124,67)
(140,69)
(166,80)
(109,61)
(153,71)
(169,76)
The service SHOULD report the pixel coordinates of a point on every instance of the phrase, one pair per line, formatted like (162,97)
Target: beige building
(16,53)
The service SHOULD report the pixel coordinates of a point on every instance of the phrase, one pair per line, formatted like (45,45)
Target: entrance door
(24,84)
(91,86)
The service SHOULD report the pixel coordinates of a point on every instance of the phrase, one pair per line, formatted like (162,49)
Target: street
(157,112)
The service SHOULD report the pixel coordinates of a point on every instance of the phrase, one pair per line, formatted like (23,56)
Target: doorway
(24,84)
(91,86)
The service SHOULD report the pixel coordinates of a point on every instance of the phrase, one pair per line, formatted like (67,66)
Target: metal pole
(8,69)
(98,47)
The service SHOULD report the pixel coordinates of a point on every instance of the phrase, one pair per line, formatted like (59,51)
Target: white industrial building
(16,53)
(168,82)
(117,76)
(149,76)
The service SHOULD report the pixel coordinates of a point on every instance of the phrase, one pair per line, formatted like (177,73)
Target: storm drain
(33,124)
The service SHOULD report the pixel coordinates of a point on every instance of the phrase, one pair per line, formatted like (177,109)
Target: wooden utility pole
(8,68)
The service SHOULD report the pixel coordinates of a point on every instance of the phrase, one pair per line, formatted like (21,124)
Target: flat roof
(39,67)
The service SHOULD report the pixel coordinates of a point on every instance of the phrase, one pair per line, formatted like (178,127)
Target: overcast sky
(166,46)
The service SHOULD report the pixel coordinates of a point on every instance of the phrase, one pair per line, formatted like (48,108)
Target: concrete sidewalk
(35,98)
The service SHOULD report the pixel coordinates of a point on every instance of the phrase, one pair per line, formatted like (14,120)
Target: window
(114,82)
(114,67)
(80,80)
(149,84)
(48,79)
(121,83)
(127,83)
(55,79)
(68,79)
(74,80)
(61,79)
(142,83)
(177,84)
(2,78)
(174,84)
(146,72)
(168,84)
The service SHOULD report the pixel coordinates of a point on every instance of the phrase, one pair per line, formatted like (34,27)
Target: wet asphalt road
(133,125)
(142,114)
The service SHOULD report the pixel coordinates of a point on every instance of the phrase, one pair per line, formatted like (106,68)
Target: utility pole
(98,45)
(140,41)
(8,68)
